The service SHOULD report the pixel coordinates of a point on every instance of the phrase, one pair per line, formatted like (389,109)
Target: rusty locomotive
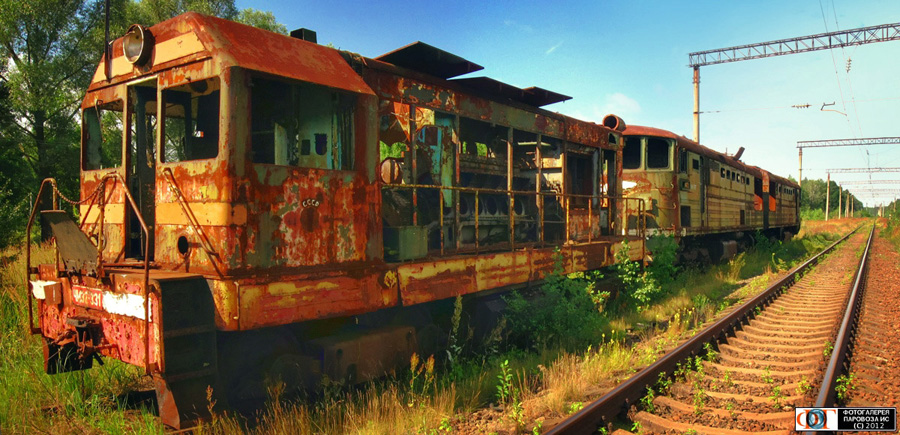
(710,201)
(259,203)
(254,202)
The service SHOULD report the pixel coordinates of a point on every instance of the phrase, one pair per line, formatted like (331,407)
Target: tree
(262,19)
(51,49)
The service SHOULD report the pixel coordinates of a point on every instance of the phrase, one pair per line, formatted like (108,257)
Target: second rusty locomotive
(711,201)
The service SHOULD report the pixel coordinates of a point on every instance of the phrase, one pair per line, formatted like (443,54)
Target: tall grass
(32,401)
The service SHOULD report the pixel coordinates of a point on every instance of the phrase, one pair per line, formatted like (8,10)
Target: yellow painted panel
(112,214)
(207,213)
(179,46)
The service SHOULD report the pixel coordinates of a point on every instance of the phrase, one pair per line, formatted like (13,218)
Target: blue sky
(630,58)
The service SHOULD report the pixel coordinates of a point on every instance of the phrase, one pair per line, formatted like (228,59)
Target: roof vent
(304,34)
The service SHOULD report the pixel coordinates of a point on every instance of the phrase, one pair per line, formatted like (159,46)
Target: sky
(630,58)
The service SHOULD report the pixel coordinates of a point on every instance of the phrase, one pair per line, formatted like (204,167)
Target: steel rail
(617,401)
(836,363)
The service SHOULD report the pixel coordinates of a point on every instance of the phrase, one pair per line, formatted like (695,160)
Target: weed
(829,346)
(690,432)
(757,310)
(641,287)
(637,427)
(699,401)
(804,387)
(776,397)
(509,394)
(575,407)
(445,425)
(504,384)
(730,407)
(647,400)
(603,430)
(711,352)
(663,383)
(728,379)
(767,376)
(536,430)
(843,386)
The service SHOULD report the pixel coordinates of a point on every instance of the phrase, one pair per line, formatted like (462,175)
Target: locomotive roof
(193,36)
(638,130)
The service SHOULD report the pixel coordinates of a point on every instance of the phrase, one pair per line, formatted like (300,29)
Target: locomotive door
(141,166)
(689,189)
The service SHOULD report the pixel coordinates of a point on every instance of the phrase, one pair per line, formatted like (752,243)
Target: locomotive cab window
(658,153)
(191,127)
(631,153)
(301,125)
(102,136)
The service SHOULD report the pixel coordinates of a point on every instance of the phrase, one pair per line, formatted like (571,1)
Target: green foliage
(50,51)
(641,287)
(509,395)
(829,346)
(843,386)
(563,311)
(504,384)
(394,151)
(12,218)
(262,19)
(665,254)
(647,400)
(575,407)
(711,352)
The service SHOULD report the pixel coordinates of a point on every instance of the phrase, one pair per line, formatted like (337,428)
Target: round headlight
(138,43)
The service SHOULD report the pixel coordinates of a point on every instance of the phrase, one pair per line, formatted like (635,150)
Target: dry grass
(548,383)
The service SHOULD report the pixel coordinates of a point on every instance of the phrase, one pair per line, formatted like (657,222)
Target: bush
(665,252)
(641,287)
(563,311)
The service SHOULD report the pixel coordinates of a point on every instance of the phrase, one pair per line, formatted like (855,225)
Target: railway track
(747,371)
(875,366)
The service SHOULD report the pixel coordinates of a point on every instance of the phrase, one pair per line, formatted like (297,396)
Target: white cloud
(618,104)
(553,48)
(518,26)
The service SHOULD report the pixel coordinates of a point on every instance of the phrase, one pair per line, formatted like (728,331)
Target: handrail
(130,199)
(539,196)
(34,210)
(192,219)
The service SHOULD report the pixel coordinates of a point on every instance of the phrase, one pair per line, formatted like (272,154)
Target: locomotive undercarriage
(724,246)
(201,366)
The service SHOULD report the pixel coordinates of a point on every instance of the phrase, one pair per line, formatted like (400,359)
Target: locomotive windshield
(103,136)
(191,127)
(658,153)
(631,153)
